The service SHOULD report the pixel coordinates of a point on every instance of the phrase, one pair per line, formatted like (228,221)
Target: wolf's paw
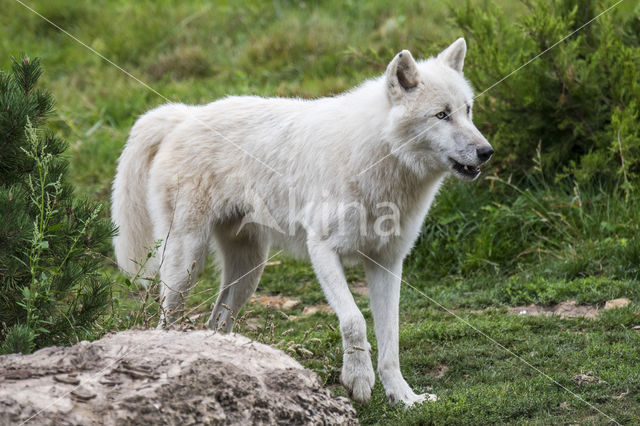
(410,398)
(358,376)
(359,388)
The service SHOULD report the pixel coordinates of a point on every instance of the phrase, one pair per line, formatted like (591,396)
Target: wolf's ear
(453,56)
(402,74)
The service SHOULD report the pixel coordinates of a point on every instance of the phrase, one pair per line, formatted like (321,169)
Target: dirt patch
(359,287)
(312,309)
(276,302)
(438,371)
(566,309)
(165,377)
(286,303)
(587,379)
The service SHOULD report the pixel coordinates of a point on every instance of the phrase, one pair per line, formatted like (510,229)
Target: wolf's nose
(484,153)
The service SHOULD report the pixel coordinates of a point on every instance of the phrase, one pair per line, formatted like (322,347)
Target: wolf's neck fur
(383,176)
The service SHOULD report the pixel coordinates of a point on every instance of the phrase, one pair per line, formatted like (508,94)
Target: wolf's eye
(468,109)
(442,115)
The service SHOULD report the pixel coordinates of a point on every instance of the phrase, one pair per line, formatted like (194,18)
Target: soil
(568,309)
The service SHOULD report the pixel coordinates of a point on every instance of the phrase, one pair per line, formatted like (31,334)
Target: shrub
(50,240)
(558,231)
(580,100)
(561,205)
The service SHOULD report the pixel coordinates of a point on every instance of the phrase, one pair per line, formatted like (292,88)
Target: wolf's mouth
(465,171)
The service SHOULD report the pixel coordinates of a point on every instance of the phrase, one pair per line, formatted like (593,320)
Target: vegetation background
(554,218)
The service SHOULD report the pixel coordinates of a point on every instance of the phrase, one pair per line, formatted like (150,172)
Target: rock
(616,303)
(164,377)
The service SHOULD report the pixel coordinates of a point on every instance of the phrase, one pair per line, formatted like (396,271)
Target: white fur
(191,175)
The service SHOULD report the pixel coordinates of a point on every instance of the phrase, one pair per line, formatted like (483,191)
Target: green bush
(561,204)
(50,241)
(558,231)
(580,100)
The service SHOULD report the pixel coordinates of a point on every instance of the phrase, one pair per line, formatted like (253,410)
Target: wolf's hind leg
(242,258)
(181,257)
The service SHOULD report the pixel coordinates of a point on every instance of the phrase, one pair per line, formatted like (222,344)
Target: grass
(486,246)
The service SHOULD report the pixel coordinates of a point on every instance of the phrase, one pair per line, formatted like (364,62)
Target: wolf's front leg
(384,294)
(357,375)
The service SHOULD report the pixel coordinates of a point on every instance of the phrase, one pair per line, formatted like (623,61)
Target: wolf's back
(129,210)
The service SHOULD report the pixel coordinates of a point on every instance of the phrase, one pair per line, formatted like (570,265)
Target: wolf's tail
(129,209)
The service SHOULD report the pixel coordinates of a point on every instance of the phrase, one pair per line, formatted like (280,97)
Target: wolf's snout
(484,153)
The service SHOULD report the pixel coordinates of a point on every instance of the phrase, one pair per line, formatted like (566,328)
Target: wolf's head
(430,125)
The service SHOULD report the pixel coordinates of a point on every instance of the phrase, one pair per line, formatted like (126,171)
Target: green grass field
(487,245)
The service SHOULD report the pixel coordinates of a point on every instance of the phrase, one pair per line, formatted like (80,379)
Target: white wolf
(190,176)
